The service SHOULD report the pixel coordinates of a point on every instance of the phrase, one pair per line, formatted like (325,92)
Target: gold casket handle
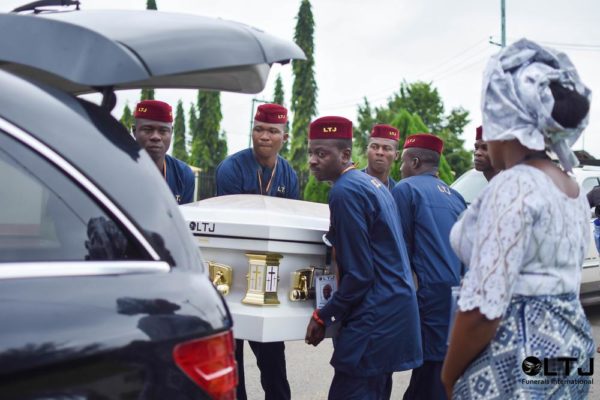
(221,276)
(301,284)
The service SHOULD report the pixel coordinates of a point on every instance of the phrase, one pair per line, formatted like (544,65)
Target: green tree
(279,98)
(179,150)
(362,130)
(151,5)
(445,172)
(316,191)
(278,93)
(220,152)
(209,147)
(304,89)
(193,134)
(459,158)
(422,99)
(147,94)
(127,118)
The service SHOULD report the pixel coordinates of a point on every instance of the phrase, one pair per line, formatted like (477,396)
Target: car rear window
(47,217)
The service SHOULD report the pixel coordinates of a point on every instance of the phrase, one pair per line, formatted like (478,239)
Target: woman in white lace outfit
(524,239)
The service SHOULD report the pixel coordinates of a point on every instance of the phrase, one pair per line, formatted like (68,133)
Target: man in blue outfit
(428,208)
(382,151)
(375,303)
(260,170)
(153,130)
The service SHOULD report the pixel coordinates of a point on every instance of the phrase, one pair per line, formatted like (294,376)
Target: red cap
(385,132)
(271,114)
(155,110)
(330,128)
(425,141)
(479,133)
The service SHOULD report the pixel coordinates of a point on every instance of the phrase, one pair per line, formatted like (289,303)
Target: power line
(595,46)
(444,63)
(452,58)
(443,75)
(464,68)
(568,46)
(459,67)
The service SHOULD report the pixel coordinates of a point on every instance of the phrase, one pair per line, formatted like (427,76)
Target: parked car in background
(104,294)
(472,182)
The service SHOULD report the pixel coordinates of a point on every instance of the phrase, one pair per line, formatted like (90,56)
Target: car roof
(96,144)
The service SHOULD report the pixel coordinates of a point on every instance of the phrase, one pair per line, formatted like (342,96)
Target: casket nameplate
(203,227)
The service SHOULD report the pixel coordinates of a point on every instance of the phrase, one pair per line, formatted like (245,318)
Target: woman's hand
(471,333)
(449,390)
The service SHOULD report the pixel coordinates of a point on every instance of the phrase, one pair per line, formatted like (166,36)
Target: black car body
(104,294)
(109,281)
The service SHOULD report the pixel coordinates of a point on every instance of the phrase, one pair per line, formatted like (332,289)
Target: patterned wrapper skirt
(539,339)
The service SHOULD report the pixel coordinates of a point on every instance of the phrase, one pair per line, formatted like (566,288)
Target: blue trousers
(346,387)
(426,382)
(270,358)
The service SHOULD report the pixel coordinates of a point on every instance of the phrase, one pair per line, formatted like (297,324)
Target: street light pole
(254,101)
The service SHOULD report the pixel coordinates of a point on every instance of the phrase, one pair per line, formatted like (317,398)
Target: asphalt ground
(310,374)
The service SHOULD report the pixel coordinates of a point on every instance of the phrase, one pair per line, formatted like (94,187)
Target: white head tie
(517,103)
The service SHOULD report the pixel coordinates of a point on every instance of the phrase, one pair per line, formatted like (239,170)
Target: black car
(104,294)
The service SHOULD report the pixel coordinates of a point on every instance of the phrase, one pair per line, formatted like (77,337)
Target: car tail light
(210,363)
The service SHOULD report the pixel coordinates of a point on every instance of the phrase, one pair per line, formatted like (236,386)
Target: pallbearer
(153,130)
(375,302)
(260,170)
(382,151)
(428,209)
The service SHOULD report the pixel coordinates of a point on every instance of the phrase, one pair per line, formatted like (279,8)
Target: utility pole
(502,26)
(503,22)
(254,101)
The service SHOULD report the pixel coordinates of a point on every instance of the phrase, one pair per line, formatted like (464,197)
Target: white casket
(260,238)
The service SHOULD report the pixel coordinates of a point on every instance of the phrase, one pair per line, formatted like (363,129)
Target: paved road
(310,374)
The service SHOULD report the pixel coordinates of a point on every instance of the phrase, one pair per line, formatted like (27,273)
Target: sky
(367,48)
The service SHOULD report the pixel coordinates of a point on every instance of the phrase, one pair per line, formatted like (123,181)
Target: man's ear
(397,156)
(286,136)
(346,155)
(415,163)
